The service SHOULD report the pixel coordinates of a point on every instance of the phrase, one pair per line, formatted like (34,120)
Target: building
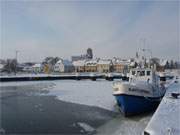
(1,67)
(77,58)
(64,66)
(91,65)
(79,65)
(49,63)
(88,55)
(104,65)
(2,64)
(27,67)
(121,66)
(37,68)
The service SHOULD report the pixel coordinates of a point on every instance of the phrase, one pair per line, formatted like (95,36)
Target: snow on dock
(166,120)
(70,76)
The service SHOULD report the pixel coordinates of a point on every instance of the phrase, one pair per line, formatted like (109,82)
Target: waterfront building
(48,64)
(120,65)
(77,58)
(1,67)
(27,67)
(64,66)
(79,65)
(104,65)
(91,65)
(88,55)
(2,64)
(37,68)
(161,65)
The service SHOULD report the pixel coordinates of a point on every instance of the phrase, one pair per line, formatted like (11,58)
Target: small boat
(142,93)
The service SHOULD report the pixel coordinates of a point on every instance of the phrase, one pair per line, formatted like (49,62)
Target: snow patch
(86,127)
(86,92)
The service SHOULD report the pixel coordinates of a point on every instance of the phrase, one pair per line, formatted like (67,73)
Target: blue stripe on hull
(131,105)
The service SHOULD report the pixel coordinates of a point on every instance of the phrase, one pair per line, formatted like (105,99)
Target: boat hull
(132,105)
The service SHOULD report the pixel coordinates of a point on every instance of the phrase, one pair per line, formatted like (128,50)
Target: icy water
(64,107)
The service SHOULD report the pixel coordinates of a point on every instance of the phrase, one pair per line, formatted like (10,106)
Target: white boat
(143,92)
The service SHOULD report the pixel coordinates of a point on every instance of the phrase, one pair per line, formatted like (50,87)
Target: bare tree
(11,65)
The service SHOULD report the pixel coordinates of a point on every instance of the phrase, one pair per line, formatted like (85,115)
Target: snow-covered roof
(65,62)
(104,62)
(91,62)
(166,118)
(37,65)
(79,63)
(1,66)
(132,64)
(163,62)
(122,62)
(59,61)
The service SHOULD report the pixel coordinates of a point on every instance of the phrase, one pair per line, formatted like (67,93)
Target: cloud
(63,29)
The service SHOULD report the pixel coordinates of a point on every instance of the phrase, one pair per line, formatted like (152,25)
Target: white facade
(37,67)
(79,65)
(104,65)
(64,66)
(91,62)
(1,67)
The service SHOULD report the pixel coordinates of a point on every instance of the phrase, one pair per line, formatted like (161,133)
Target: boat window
(141,73)
(133,72)
(148,72)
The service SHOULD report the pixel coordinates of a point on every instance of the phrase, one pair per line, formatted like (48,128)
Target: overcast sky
(40,29)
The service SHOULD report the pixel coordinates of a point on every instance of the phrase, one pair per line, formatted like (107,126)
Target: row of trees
(155,61)
(10,66)
(171,65)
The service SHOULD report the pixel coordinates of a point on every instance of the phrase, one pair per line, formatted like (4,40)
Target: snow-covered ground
(93,93)
(166,120)
(125,126)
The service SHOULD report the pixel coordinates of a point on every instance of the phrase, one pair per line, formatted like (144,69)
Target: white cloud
(68,28)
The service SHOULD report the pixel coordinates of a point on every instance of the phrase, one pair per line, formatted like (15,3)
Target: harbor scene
(89,68)
(56,107)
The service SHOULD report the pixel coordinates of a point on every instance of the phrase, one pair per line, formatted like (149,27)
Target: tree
(172,64)
(175,65)
(167,66)
(11,65)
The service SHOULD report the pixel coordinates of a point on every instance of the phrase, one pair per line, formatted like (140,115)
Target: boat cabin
(142,74)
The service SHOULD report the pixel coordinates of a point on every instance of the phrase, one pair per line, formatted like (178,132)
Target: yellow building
(46,69)
(120,66)
(79,66)
(91,66)
(104,66)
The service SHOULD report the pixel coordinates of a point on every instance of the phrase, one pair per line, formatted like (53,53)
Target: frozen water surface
(92,93)
(86,92)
